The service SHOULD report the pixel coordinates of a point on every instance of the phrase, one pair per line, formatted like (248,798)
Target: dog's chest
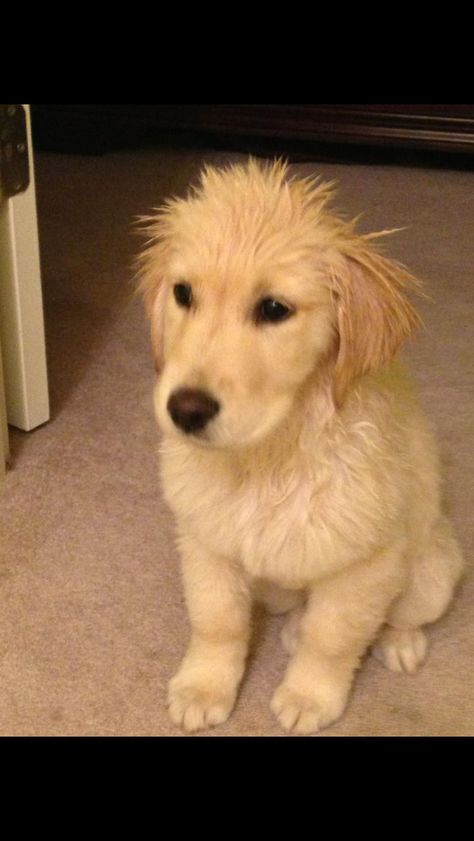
(270,523)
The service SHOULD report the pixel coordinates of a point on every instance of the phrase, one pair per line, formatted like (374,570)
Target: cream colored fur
(316,488)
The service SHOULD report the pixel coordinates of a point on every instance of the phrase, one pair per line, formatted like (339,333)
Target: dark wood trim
(449,128)
(444,128)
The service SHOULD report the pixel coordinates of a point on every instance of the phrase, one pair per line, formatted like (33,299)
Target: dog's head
(256,293)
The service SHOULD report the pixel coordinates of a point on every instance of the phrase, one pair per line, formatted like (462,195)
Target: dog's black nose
(192,409)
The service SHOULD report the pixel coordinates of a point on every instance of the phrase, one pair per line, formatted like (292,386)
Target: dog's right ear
(152,284)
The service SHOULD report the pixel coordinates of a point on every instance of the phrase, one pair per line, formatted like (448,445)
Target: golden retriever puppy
(295,457)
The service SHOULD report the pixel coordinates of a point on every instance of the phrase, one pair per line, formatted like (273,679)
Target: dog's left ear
(151,267)
(373,313)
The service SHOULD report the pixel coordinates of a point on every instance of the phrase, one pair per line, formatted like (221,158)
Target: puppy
(299,466)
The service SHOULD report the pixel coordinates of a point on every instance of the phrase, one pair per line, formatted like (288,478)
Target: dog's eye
(183,294)
(271,310)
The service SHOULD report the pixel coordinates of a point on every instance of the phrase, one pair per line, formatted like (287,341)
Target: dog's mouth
(217,435)
(205,420)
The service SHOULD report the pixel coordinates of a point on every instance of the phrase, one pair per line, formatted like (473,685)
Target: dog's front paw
(194,707)
(302,713)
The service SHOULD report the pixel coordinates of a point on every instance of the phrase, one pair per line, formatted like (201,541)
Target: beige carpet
(92,622)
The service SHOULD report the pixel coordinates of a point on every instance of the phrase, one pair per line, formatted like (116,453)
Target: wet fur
(316,488)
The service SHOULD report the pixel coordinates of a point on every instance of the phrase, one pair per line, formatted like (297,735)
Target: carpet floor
(92,619)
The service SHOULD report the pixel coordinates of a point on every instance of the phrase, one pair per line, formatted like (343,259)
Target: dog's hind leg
(290,633)
(402,645)
(276,599)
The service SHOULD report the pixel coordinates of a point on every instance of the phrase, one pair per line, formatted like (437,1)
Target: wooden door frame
(21,307)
